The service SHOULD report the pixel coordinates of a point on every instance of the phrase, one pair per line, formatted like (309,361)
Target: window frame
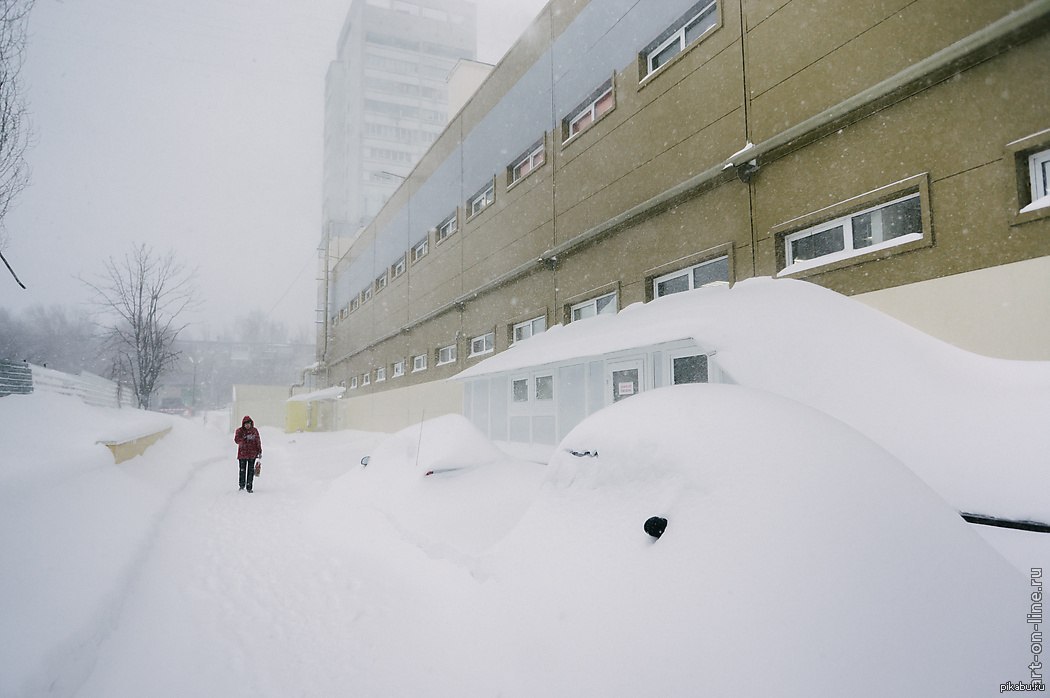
(397,369)
(353,383)
(419,363)
(425,244)
(615,305)
(677,34)
(488,344)
(366,379)
(382,280)
(1039,182)
(514,171)
(588,108)
(845,223)
(452,223)
(530,324)
(380,374)
(449,349)
(687,271)
(366,294)
(487,194)
(398,268)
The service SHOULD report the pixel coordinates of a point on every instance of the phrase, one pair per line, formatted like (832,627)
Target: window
(596,106)
(477,203)
(881,226)
(693,25)
(1039,174)
(602,305)
(446,355)
(484,344)
(381,281)
(420,249)
(520,390)
(448,227)
(707,273)
(343,312)
(398,268)
(524,330)
(353,383)
(527,162)
(398,369)
(689,369)
(355,303)
(419,363)
(544,387)
(380,374)
(366,295)
(366,379)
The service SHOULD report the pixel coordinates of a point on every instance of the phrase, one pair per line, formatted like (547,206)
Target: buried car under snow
(798,556)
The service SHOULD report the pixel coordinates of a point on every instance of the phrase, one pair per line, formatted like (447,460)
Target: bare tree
(14,124)
(144,295)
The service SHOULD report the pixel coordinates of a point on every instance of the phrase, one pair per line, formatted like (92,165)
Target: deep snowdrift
(973,427)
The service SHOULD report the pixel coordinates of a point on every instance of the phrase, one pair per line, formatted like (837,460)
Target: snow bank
(73,526)
(802,558)
(971,426)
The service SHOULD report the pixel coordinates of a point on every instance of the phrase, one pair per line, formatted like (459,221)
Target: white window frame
(353,383)
(366,295)
(421,248)
(688,273)
(589,111)
(397,369)
(536,386)
(486,342)
(848,251)
(446,355)
(482,200)
(447,228)
(678,35)
(398,268)
(535,157)
(355,303)
(381,281)
(366,379)
(609,308)
(419,363)
(380,374)
(528,390)
(531,326)
(1039,174)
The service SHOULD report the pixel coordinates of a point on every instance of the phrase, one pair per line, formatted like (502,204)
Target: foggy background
(194,125)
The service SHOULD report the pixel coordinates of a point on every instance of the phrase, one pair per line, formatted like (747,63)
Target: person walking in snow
(249,447)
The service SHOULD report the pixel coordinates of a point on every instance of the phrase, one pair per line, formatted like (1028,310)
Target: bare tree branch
(14,121)
(144,295)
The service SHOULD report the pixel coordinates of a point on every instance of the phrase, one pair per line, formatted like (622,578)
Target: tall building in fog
(387,100)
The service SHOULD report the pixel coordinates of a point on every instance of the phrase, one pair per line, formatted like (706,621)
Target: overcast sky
(194,125)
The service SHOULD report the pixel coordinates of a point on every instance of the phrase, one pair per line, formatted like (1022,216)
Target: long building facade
(622,150)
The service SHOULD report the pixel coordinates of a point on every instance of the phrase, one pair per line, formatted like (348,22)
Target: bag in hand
(258,467)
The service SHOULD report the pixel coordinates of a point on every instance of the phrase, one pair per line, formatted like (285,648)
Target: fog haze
(193,125)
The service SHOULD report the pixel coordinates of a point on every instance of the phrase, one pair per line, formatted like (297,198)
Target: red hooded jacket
(249,445)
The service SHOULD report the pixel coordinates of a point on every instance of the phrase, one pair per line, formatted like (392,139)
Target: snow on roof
(972,427)
(325,394)
(634,327)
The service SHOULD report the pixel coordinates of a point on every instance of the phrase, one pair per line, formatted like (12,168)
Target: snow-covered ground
(803,556)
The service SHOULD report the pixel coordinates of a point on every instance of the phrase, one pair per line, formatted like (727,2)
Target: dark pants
(247,468)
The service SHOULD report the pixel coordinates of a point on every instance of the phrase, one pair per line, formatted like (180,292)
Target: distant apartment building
(387,100)
(624,150)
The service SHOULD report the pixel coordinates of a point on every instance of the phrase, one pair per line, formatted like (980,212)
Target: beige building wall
(1001,311)
(392,410)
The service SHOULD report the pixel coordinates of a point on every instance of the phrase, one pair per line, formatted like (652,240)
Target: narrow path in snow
(235,597)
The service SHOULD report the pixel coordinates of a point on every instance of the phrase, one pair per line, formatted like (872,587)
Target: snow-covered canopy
(333,393)
(973,427)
